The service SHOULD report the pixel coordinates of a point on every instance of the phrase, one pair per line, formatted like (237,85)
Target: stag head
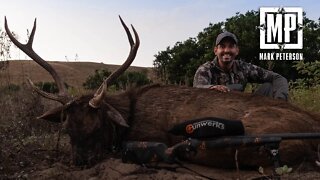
(90,121)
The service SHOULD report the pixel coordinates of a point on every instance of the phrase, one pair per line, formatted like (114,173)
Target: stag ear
(54,115)
(116,116)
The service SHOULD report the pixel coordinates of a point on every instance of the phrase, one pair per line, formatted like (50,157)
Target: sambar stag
(98,123)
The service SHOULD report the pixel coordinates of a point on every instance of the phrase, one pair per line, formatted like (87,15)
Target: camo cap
(225,34)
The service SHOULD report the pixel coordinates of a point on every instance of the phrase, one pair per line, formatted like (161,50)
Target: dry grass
(24,140)
(73,73)
(306,98)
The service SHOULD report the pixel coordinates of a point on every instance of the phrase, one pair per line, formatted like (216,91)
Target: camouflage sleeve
(257,74)
(202,78)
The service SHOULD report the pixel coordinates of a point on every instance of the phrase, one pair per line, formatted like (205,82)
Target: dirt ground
(35,149)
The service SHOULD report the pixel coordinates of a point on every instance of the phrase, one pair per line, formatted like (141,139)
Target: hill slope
(73,73)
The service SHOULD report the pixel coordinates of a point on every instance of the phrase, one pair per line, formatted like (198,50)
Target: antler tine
(100,93)
(132,54)
(63,96)
(47,95)
(30,41)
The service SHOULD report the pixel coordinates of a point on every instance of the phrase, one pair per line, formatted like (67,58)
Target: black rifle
(147,152)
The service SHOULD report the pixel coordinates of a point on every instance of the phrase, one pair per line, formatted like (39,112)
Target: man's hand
(220,88)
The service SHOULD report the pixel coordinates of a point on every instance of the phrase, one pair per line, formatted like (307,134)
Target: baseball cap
(224,35)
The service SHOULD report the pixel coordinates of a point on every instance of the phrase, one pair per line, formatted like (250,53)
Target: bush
(10,88)
(49,87)
(127,79)
(310,72)
(132,79)
(95,80)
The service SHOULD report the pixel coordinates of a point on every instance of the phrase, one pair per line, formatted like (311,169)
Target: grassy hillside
(73,73)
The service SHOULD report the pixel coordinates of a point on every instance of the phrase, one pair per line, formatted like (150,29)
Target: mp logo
(281,28)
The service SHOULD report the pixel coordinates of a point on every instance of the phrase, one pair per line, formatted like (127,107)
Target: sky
(90,30)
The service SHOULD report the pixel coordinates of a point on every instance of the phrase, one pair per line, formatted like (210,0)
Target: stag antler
(63,96)
(100,93)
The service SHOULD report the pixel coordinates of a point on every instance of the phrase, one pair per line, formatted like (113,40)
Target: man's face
(226,51)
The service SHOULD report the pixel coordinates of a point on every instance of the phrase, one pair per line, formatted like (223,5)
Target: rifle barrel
(292,136)
(250,140)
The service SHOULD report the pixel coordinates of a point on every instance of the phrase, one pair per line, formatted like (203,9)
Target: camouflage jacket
(210,74)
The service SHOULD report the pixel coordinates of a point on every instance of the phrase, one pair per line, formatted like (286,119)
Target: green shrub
(10,88)
(95,80)
(310,72)
(49,87)
(132,78)
(122,82)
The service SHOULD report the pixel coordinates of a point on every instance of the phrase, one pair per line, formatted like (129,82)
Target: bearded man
(224,73)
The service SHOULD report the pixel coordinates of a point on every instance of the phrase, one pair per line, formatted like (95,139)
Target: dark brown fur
(152,110)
